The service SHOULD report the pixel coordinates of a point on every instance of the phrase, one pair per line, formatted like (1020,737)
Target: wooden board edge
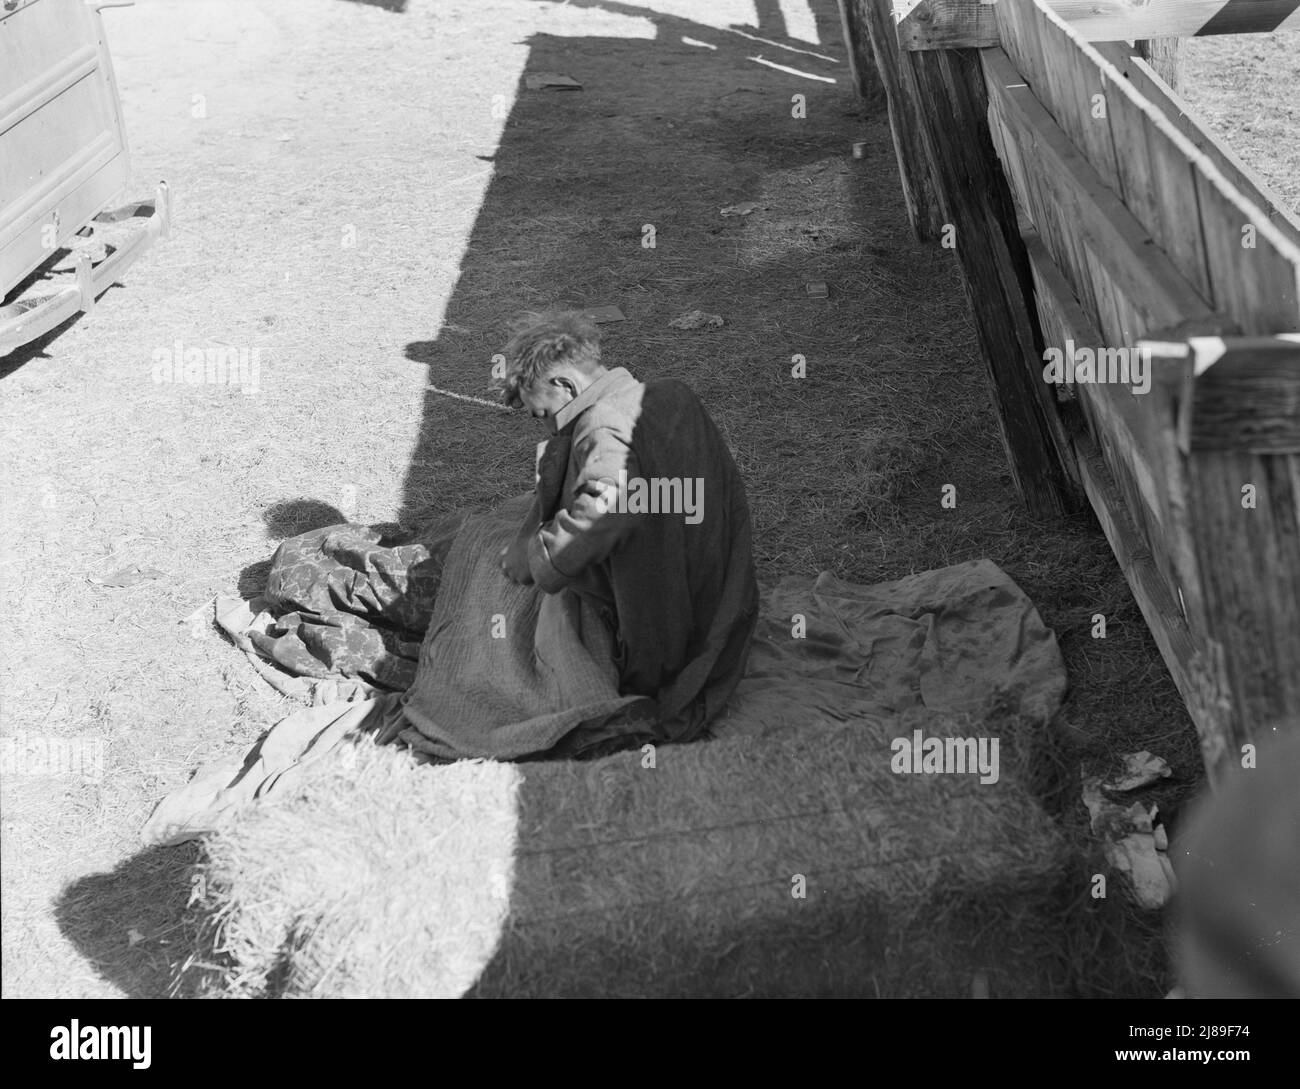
(1190,665)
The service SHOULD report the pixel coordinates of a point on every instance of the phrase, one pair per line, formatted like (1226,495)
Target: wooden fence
(1102,231)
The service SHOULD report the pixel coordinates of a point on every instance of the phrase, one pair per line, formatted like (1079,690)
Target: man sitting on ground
(640,508)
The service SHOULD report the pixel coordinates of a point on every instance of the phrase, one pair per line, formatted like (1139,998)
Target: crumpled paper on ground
(1134,843)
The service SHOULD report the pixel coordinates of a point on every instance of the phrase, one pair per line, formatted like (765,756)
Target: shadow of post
(663,133)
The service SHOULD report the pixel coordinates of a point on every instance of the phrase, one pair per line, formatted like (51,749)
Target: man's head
(549,361)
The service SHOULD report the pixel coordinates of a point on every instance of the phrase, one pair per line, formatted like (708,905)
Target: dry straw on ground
(607,877)
(378,878)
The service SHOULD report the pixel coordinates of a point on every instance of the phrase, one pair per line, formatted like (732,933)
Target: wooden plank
(1068,89)
(1156,178)
(1066,330)
(949,24)
(1195,670)
(1165,57)
(1245,395)
(1035,202)
(862,66)
(1113,237)
(875,18)
(1115,322)
(1053,89)
(1250,563)
(1149,164)
(1120,54)
(1236,428)
(1257,284)
(1135,432)
(1019,29)
(1177,112)
(965,24)
(1089,94)
(1254,271)
(1113,20)
(850,35)
(1008,155)
(1040,205)
(1165,474)
(976,200)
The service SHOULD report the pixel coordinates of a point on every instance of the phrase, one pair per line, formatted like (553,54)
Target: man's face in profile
(545,397)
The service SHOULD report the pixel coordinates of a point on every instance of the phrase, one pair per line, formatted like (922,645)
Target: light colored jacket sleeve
(590,526)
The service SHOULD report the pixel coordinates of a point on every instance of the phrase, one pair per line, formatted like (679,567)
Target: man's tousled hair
(541,343)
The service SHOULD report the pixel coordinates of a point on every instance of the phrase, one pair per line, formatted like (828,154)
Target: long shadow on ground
(662,136)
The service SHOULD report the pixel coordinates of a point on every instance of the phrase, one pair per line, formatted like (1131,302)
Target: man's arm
(552,463)
(591,526)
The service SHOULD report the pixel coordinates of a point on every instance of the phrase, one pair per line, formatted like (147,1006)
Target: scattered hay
(380,878)
(613,878)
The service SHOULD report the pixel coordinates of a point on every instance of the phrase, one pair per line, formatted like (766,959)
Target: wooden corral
(960,24)
(1098,226)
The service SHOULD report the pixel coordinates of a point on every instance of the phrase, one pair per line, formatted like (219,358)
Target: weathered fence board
(1163,56)
(1217,239)
(1247,396)
(1128,433)
(1115,20)
(1093,236)
(963,24)
(1148,83)
(1195,678)
(876,18)
(1250,564)
(1134,433)
(1258,284)
(976,201)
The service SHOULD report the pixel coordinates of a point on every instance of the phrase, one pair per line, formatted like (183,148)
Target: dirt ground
(364,193)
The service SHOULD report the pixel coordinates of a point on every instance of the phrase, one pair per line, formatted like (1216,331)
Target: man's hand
(514,563)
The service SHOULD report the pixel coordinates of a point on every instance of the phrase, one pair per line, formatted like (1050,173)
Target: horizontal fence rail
(962,24)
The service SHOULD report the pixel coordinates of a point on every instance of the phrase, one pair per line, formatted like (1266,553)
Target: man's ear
(564,382)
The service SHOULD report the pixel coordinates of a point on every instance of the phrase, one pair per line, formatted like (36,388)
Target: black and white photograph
(660,499)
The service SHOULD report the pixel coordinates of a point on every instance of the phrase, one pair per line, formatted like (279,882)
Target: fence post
(877,17)
(1240,431)
(1165,55)
(862,65)
(981,221)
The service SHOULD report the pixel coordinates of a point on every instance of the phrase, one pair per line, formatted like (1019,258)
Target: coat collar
(610,380)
